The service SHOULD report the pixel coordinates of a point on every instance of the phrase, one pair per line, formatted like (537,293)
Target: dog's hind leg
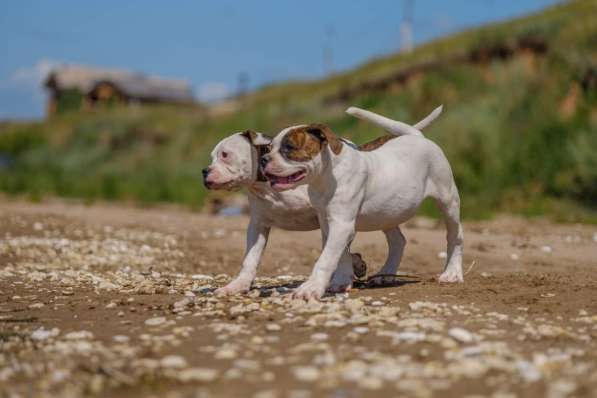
(396,243)
(449,204)
(442,188)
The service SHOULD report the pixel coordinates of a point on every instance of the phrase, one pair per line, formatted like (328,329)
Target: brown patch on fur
(299,145)
(251,135)
(304,143)
(321,130)
(376,143)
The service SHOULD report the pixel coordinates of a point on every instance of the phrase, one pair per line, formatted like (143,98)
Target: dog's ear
(256,138)
(325,136)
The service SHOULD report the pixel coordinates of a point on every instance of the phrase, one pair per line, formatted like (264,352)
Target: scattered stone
(461,335)
(319,336)
(203,375)
(44,334)
(546,249)
(306,373)
(173,361)
(273,327)
(155,321)
(79,335)
(225,353)
(121,338)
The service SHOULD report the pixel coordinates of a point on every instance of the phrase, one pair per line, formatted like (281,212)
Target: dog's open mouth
(283,181)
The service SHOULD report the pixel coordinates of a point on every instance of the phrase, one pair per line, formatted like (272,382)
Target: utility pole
(243,84)
(406,27)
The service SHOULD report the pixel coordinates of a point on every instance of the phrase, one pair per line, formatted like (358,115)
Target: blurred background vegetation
(519,124)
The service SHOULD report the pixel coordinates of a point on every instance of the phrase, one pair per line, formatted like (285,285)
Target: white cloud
(213,91)
(32,76)
(22,93)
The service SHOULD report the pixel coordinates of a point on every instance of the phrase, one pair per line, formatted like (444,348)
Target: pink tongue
(284,180)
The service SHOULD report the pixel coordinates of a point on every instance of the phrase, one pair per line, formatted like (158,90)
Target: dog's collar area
(261,151)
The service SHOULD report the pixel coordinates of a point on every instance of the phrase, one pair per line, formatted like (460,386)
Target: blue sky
(209,43)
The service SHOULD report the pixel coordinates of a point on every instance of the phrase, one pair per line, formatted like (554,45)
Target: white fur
(394,126)
(290,210)
(377,190)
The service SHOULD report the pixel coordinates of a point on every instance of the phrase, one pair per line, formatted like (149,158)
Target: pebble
(225,353)
(306,373)
(201,277)
(121,338)
(173,361)
(273,327)
(462,335)
(361,330)
(182,303)
(265,394)
(155,321)
(319,336)
(546,249)
(79,335)
(105,285)
(44,334)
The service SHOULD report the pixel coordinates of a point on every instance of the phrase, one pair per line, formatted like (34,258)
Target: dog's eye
(224,154)
(288,147)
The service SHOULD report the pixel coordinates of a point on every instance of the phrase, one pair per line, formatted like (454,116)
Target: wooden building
(83,87)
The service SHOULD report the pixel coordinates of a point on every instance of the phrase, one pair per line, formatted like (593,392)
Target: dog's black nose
(205,172)
(263,161)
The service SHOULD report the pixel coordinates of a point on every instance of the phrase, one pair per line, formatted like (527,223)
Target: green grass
(520,132)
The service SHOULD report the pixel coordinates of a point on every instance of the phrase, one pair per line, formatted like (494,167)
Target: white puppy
(365,190)
(235,164)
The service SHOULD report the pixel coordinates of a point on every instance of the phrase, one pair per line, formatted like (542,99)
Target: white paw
(310,289)
(238,285)
(450,276)
(341,282)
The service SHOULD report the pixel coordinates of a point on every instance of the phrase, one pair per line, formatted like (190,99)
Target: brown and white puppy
(365,190)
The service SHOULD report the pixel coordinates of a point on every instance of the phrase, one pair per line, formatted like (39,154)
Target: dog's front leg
(257,235)
(339,235)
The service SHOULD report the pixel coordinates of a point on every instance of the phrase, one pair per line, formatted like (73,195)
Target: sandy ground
(116,301)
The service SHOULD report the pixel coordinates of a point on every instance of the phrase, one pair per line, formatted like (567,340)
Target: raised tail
(395,127)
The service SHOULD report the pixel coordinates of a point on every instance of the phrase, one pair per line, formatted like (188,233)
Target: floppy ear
(256,138)
(325,136)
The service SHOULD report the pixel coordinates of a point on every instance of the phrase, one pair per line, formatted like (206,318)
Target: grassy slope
(518,132)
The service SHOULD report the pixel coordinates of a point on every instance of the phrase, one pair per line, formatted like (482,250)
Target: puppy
(235,164)
(376,188)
